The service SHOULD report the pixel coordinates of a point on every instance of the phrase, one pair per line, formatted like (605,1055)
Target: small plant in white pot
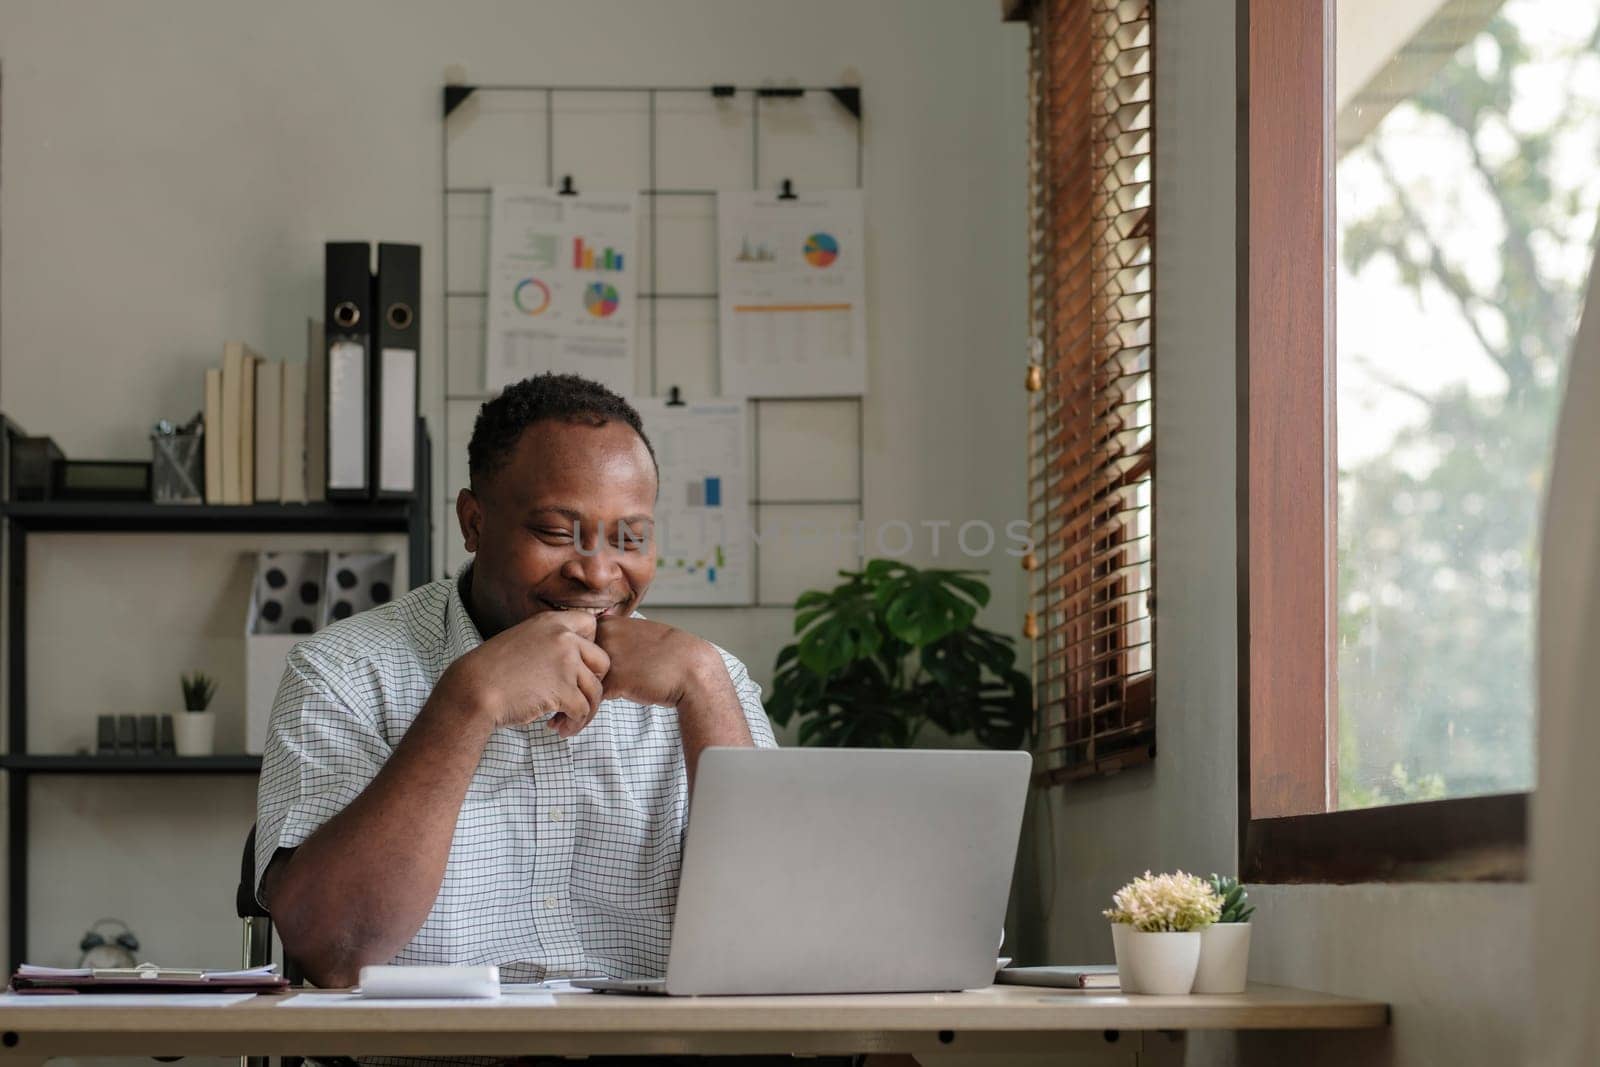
(1225,944)
(194,732)
(1156,924)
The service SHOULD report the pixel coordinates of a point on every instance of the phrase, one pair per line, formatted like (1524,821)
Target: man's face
(562,478)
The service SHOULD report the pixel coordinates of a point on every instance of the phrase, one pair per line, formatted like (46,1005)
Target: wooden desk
(1107,1027)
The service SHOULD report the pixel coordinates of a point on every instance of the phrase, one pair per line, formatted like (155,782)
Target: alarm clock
(108,948)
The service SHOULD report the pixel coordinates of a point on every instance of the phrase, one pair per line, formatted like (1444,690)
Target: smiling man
(495,768)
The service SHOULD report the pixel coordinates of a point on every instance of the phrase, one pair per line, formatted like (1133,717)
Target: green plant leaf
(891,648)
(922,606)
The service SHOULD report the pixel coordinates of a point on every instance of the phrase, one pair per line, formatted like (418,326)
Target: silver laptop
(831,870)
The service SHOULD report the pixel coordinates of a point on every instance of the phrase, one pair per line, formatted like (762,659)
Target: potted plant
(1225,944)
(1156,924)
(194,732)
(893,649)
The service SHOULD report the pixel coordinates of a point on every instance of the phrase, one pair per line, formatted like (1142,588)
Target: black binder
(397,341)
(347,332)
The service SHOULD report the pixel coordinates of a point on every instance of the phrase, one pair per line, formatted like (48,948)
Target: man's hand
(546,663)
(654,663)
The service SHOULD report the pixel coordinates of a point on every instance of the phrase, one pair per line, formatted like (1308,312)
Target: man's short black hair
(542,398)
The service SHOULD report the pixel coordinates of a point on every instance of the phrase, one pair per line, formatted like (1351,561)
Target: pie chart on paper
(821,249)
(531,296)
(601,299)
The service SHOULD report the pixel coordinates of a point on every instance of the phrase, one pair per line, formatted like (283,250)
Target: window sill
(1471,839)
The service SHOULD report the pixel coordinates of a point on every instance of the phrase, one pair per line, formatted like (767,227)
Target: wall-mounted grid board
(676,147)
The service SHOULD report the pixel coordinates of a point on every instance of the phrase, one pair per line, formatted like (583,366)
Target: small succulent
(1165,903)
(1236,906)
(198,689)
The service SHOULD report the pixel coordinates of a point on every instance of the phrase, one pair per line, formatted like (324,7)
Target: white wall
(1453,960)
(171,170)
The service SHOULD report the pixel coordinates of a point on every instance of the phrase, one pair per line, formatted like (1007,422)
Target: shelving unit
(233,764)
(410,516)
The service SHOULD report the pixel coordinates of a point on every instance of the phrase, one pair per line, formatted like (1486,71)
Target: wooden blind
(1090,431)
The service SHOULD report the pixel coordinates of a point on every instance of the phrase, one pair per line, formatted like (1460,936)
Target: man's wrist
(705,675)
(467,699)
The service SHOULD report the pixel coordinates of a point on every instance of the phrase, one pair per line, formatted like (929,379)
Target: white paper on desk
(249,972)
(356,1000)
(553,985)
(30,970)
(123,1000)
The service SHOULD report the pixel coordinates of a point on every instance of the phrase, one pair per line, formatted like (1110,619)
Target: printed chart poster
(793,294)
(704,550)
(561,286)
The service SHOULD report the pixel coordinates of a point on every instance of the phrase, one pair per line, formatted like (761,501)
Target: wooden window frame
(1287,504)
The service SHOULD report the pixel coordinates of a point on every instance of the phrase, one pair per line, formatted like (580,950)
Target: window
(1417,230)
(1090,428)
(1465,193)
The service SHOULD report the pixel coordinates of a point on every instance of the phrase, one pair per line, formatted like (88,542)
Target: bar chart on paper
(703,528)
(560,286)
(793,306)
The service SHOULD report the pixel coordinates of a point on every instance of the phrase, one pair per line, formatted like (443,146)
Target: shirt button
(551,902)
(555,814)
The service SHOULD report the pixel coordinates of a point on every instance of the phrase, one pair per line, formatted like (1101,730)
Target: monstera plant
(893,649)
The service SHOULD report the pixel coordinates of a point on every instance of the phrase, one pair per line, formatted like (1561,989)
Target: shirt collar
(461,633)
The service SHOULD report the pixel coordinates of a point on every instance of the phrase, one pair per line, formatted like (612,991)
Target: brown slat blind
(1090,430)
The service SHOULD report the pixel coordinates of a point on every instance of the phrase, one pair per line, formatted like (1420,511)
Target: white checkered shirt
(566,852)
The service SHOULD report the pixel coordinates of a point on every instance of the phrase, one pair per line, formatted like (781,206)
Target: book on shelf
(266,425)
(213,435)
(316,413)
(268,443)
(247,424)
(232,399)
(292,450)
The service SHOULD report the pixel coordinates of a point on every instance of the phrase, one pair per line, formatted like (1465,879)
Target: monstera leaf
(893,648)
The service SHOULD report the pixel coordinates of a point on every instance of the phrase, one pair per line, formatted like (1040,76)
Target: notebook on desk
(145,978)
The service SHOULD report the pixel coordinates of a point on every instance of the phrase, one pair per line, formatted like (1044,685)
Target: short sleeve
(321,753)
(749,691)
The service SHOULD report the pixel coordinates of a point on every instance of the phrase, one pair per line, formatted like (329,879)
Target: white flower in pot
(1156,924)
(1225,945)
(194,732)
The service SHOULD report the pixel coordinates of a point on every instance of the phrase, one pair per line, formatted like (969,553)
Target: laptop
(826,870)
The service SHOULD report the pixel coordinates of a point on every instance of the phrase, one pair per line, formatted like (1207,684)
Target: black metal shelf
(25,518)
(84,764)
(143,516)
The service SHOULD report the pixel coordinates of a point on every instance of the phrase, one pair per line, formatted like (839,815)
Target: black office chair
(258,937)
(257,920)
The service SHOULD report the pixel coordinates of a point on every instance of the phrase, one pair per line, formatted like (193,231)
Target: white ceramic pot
(194,733)
(1119,946)
(1159,964)
(1224,958)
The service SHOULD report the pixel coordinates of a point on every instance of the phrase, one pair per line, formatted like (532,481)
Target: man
(495,768)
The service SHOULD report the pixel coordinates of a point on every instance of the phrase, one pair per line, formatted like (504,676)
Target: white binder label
(397,421)
(347,415)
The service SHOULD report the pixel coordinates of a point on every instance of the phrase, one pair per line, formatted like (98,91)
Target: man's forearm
(357,891)
(710,715)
